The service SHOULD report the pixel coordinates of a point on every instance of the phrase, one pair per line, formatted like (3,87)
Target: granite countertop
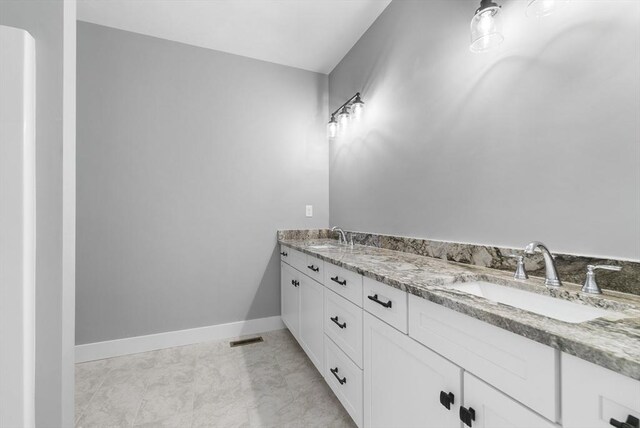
(611,342)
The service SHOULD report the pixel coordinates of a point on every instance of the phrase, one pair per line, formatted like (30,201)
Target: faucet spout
(343,237)
(551,274)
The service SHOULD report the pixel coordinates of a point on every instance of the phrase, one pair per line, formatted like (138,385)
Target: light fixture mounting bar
(347,103)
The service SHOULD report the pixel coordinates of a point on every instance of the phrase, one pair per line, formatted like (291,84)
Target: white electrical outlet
(309,210)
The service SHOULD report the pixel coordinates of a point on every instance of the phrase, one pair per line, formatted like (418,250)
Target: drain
(246,341)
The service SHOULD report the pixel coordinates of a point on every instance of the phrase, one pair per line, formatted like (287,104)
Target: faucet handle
(520,273)
(590,285)
(591,268)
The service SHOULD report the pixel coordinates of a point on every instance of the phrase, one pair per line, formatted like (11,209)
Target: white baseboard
(152,342)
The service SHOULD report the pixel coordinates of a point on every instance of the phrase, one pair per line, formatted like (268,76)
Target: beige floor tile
(268,384)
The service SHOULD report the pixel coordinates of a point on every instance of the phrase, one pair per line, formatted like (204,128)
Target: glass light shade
(486,29)
(539,8)
(343,117)
(332,128)
(357,108)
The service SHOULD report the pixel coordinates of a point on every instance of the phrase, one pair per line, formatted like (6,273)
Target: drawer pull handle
(467,415)
(374,298)
(335,279)
(314,268)
(284,254)
(446,399)
(335,320)
(632,422)
(341,380)
(295,283)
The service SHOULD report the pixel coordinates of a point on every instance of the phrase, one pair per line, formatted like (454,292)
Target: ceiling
(309,34)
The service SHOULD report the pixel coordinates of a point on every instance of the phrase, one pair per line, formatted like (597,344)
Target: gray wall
(44,20)
(539,140)
(188,160)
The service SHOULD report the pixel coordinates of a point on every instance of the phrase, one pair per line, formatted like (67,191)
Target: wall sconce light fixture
(539,8)
(486,27)
(486,24)
(353,108)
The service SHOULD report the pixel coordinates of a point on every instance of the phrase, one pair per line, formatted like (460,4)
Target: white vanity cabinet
(398,360)
(593,395)
(290,298)
(311,332)
(404,381)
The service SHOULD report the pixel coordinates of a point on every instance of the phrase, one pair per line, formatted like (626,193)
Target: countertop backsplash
(571,268)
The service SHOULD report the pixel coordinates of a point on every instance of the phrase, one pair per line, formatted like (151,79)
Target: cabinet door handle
(314,268)
(335,373)
(295,283)
(467,415)
(335,279)
(374,298)
(446,399)
(335,320)
(284,254)
(632,422)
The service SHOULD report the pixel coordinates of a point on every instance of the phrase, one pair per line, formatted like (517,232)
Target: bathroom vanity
(405,340)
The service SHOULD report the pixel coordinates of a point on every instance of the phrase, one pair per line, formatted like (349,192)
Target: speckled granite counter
(613,342)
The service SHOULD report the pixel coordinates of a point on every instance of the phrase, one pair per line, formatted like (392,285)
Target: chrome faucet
(342,238)
(551,273)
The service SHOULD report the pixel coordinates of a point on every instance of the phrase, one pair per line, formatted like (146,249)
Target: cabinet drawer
(284,253)
(593,395)
(314,267)
(346,283)
(387,303)
(294,258)
(495,410)
(521,368)
(345,379)
(343,324)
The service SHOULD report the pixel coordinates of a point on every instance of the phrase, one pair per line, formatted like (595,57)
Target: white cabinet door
(311,336)
(289,298)
(403,381)
(489,408)
(593,395)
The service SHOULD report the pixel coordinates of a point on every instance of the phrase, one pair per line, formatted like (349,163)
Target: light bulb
(539,8)
(357,108)
(343,117)
(486,27)
(332,128)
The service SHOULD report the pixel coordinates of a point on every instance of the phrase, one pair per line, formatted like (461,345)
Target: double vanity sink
(400,334)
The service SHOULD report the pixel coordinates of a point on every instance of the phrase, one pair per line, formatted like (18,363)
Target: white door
(593,395)
(404,381)
(289,298)
(486,407)
(311,320)
(17,227)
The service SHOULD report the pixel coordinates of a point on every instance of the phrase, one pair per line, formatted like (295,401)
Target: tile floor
(269,384)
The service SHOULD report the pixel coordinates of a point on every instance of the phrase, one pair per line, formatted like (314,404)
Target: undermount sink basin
(320,247)
(547,306)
